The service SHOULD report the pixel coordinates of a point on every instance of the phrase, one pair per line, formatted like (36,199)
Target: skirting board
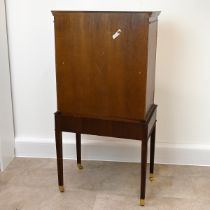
(109,149)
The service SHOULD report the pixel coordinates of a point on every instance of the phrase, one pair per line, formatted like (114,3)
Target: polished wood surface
(99,76)
(128,129)
(105,85)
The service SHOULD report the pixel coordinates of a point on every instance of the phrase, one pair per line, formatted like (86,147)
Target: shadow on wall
(170,80)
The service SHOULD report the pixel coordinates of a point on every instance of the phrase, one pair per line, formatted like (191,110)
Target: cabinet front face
(101,61)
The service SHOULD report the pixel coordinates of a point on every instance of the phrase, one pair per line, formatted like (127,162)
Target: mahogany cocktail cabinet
(105,76)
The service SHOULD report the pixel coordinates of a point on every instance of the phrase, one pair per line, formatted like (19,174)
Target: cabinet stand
(129,129)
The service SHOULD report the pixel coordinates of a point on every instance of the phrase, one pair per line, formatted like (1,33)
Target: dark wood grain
(137,130)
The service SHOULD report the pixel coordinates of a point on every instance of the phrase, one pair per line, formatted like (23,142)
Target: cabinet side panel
(101,61)
(152,44)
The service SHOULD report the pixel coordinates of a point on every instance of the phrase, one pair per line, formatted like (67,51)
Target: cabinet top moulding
(152,14)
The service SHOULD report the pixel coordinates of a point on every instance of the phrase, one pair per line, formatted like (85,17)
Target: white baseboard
(109,149)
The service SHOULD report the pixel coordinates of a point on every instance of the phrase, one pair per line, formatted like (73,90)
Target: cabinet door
(6,117)
(101,61)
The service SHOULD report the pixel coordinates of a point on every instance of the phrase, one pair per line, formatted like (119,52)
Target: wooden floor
(31,184)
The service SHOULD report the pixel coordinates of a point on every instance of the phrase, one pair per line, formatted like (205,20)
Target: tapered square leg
(143,170)
(59,151)
(78,148)
(152,154)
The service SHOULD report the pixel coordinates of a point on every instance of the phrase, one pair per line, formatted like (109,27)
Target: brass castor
(61,188)
(152,177)
(142,203)
(79,166)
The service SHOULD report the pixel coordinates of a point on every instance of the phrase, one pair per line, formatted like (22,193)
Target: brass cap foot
(142,203)
(61,188)
(80,167)
(152,177)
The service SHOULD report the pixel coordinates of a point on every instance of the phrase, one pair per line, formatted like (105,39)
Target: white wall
(7,143)
(182,73)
